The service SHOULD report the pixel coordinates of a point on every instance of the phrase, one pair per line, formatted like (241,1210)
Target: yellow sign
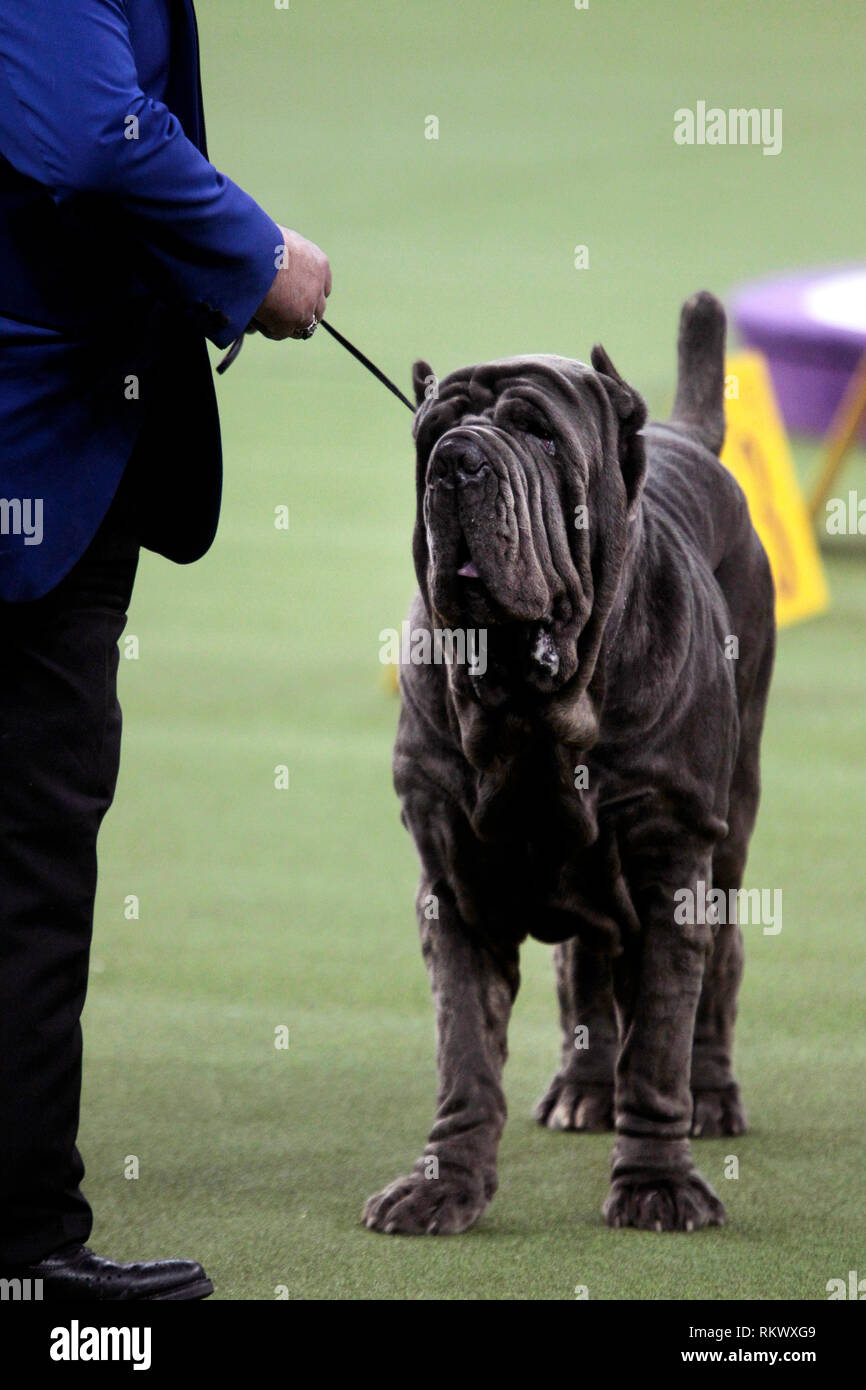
(756,451)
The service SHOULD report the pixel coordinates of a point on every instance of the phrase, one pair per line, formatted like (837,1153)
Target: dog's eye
(545,441)
(532,424)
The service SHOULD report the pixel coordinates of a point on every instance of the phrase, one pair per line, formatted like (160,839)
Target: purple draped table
(811,326)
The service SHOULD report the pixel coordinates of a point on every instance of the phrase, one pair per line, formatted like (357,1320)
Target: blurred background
(261,908)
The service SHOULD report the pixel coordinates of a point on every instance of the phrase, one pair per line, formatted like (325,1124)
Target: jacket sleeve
(75,119)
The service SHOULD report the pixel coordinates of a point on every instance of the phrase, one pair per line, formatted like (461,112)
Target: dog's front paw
(570,1103)
(718,1112)
(417,1205)
(674,1203)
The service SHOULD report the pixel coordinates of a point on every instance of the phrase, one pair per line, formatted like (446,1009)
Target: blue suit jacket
(121,249)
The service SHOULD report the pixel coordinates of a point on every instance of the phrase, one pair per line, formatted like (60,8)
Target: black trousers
(59,754)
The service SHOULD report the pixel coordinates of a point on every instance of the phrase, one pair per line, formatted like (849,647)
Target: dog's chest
(546,864)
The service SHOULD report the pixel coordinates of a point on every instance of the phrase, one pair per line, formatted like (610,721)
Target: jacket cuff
(227,311)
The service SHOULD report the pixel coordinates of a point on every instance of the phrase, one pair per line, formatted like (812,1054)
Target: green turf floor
(261,908)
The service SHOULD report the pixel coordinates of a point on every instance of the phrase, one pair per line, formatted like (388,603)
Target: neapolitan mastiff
(604,761)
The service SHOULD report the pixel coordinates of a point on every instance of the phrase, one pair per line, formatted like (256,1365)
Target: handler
(121,249)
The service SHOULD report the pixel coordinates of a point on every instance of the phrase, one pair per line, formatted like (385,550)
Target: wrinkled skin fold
(605,760)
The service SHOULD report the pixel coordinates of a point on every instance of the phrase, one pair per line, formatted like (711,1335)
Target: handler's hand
(299,291)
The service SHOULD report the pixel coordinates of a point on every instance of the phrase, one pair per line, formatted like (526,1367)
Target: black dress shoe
(76,1273)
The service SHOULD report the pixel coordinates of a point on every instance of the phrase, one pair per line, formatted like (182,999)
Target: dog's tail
(700,400)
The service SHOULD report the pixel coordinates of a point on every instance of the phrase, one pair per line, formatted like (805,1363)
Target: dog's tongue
(468,571)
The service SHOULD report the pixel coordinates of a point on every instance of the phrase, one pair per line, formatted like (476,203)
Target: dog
(600,764)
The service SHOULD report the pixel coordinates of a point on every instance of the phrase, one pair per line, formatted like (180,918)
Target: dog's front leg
(655,1184)
(455,1178)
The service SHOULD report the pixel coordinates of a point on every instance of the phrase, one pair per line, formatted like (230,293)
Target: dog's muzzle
(457,459)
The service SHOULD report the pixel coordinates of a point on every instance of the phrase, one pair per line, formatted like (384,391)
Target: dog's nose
(461,455)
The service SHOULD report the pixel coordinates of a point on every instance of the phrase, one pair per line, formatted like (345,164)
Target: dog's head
(529,473)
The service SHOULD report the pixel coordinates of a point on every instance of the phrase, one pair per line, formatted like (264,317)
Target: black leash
(238,343)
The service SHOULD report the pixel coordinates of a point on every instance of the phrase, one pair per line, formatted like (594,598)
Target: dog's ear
(631,412)
(424,381)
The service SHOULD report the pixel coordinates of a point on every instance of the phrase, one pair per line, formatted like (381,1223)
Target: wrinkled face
(523,509)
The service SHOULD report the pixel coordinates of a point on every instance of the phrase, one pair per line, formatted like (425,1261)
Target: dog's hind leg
(580,1096)
(699,407)
(718,1108)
